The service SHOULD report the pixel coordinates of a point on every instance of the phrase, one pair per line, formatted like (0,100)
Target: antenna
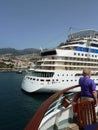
(70,30)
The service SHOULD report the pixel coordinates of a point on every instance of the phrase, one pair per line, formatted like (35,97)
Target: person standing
(88,87)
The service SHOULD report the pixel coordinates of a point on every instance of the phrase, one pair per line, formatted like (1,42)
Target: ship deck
(74,126)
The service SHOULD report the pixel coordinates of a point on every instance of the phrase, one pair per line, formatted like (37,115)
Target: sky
(44,23)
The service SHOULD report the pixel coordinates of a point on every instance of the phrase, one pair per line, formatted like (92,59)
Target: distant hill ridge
(18,52)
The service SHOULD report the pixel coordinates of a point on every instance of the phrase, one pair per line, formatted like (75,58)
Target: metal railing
(47,107)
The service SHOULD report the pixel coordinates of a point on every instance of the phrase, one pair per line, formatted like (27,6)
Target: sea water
(16,106)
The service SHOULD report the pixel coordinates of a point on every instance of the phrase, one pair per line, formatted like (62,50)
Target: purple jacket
(87,86)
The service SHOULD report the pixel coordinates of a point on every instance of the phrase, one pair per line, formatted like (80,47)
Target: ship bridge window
(43,74)
(52,52)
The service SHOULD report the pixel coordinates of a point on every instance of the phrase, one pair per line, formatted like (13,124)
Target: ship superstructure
(62,66)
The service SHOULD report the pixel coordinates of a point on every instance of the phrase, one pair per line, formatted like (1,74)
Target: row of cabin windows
(77,74)
(70,68)
(53,81)
(78,63)
(81,64)
(81,59)
(87,58)
(72,58)
(74,62)
(49,76)
(80,68)
(72,65)
(86,55)
(48,80)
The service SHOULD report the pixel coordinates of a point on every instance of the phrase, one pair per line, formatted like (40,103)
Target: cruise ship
(62,66)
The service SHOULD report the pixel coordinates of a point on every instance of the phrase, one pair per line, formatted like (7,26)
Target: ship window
(41,80)
(78,74)
(62,80)
(53,52)
(56,79)
(94,45)
(37,79)
(48,80)
(74,53)
(33,79)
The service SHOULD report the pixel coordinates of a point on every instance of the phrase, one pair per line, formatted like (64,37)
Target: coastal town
(9,62)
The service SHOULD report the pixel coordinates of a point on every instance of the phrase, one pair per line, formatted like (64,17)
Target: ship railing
(54,105)
(51,104)
(42,111)
(57,103)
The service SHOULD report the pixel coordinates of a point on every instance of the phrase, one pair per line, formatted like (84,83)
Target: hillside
(18,52)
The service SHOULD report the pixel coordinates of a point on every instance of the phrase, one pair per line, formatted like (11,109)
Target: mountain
(14,51)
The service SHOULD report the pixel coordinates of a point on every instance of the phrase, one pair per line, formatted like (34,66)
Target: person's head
(86,72)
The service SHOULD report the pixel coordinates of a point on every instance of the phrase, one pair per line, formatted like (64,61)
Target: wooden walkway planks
(72,126)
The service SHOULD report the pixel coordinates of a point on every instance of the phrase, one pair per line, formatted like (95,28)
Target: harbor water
(16,106)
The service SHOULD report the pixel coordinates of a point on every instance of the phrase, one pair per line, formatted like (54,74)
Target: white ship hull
(43,85)
(47,84)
